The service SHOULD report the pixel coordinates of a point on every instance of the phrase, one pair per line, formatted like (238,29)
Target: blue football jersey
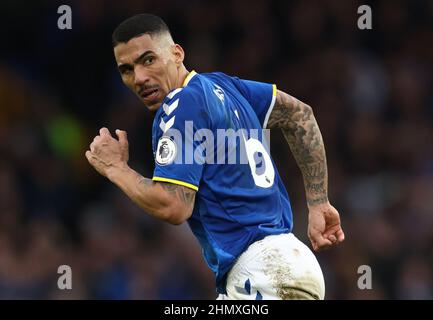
(207,136)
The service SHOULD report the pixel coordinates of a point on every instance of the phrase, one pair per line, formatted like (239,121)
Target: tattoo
(186,195)
(302,133)
(169,187)
(146,182)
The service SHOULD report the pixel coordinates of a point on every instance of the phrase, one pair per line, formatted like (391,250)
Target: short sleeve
(261,97)
(183,113)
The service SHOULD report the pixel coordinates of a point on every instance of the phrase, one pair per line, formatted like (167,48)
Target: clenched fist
(324,226)
(107,153)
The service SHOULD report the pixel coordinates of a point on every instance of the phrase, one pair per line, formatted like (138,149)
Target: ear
(179,54)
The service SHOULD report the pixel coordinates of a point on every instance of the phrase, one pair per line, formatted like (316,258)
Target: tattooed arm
(165,201)
(302,133)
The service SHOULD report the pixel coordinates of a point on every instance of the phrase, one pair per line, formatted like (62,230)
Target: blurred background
(371,90)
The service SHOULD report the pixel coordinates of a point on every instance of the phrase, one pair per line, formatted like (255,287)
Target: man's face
(149,66)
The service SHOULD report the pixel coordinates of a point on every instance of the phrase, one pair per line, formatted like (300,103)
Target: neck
(183,73)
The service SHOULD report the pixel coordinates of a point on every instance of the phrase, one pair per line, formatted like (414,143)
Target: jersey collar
(188,78)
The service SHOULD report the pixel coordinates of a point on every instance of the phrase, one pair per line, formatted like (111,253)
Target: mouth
(149,94)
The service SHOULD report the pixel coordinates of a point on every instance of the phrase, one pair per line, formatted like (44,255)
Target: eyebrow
(137,60)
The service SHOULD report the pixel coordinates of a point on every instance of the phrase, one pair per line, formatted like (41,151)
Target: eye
(149,60)
(126,71)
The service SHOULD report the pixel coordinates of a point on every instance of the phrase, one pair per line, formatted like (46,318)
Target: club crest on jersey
(219,92)
(165,151)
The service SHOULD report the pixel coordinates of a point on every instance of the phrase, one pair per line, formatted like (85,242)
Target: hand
(324,228)
(107,153)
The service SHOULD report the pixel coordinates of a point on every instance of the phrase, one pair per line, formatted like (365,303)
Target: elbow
(175,219)
(307,109)
(176,215)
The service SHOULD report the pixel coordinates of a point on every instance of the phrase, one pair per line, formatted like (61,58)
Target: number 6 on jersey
(264,178)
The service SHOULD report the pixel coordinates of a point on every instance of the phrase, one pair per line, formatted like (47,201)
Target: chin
(153,107)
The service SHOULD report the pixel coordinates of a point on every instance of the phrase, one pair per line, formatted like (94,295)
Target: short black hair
(138,25)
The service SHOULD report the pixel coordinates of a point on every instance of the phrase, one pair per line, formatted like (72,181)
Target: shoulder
(219,78)
(182,105)
(183,101)
(192,92)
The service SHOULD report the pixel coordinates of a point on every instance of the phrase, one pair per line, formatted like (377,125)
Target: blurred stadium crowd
(371,90)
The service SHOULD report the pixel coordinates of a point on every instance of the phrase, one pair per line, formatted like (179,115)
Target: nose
(141,76)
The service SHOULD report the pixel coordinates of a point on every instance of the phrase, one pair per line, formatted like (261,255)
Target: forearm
(302,133)
(306,144)
(166,201)
(147,194)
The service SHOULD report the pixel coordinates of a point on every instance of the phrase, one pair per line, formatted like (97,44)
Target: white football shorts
(278,267)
